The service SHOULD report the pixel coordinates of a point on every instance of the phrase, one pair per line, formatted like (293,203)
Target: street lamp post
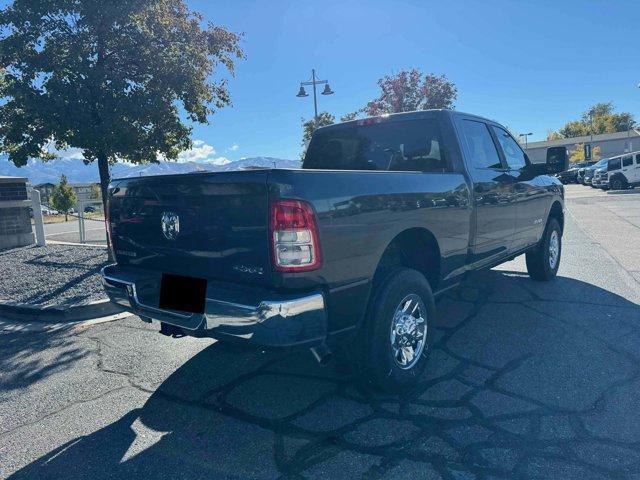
(526,139)
(302,93)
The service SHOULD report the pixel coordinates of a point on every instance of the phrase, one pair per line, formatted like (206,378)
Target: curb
(58,314)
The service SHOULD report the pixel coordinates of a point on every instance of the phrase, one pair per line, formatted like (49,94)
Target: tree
(309,126)
(577,154)
(110,78)
(347,117)
(409,90)
(96,193)
(598,119)
(63,197)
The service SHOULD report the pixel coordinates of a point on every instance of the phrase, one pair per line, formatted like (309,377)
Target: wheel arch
(557,212)
(415,248)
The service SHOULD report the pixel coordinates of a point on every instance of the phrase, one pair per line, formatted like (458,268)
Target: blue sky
(532,65)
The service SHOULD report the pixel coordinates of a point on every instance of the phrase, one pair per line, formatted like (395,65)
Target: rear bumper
(253,315)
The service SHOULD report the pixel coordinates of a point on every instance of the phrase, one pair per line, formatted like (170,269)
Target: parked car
(582,170)
(48,211)
(347,253)
(589,171)
(571,174)
(600,179)
(89,209)
(624,171)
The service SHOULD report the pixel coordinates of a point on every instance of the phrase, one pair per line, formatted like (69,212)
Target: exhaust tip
(322,354)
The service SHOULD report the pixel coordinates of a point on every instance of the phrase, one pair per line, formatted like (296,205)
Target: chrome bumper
(252,314)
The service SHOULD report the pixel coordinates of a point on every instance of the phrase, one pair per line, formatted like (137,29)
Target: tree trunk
(103,168)
(66,216)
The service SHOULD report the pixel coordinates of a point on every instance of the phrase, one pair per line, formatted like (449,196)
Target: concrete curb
(57,314)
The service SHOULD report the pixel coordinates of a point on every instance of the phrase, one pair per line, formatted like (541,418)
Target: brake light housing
(293,232)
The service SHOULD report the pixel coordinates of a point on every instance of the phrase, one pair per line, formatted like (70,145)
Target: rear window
(411,145)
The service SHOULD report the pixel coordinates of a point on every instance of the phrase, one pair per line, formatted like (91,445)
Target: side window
(614,164)
(480,145)
(512,151)
(627,161)
(638,159)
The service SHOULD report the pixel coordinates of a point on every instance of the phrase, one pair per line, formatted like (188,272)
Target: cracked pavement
(526,380)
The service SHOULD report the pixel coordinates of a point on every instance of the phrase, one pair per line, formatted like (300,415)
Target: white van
(624,171)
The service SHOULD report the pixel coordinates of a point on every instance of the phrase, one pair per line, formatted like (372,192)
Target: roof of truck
(414,115)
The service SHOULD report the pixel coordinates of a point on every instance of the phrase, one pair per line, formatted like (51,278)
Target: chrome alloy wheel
(408,331)
(554,249)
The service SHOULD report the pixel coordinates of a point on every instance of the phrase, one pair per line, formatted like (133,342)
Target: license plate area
(185,294)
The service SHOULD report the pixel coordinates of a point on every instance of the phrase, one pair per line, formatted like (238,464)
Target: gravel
(55,275)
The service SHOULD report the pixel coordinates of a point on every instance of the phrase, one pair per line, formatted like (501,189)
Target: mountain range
(76,171)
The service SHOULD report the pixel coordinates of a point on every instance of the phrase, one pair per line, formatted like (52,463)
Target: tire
(618,183)
(540,265)
(376,360)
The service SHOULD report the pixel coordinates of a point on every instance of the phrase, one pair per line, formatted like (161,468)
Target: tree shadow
(526,379)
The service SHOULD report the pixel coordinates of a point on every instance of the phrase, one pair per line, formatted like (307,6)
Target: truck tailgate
(208,225)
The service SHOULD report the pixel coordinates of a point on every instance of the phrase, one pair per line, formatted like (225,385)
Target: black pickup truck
(346,254)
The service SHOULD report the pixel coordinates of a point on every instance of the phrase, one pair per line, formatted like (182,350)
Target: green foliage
(63,197)
(598,119)
(347,117)
(96,193)
(110,78)
(309,126)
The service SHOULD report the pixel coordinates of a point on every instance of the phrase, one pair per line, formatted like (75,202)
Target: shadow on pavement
(526,380)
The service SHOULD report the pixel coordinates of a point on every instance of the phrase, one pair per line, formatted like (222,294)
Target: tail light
(294,237)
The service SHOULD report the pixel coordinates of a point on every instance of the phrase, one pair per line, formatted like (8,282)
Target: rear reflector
(294,237)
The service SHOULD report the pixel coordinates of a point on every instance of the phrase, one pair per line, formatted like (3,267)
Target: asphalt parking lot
(526,380)
(70,231)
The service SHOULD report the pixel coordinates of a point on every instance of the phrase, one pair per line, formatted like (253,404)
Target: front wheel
(544,260)
(618,183)
(396,338)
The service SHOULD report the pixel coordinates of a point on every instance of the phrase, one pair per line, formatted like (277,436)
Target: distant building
(45,189)
(83,191)
(611,144)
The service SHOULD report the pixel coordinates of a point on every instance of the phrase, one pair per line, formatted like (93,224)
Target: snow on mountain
(77,172)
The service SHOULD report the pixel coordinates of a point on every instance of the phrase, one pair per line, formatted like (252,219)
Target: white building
(611,144)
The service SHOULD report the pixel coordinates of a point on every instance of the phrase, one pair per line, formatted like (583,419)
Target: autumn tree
(598,119)
(410,90)
(309,126)
(63,197)
(577,154)
(115,79)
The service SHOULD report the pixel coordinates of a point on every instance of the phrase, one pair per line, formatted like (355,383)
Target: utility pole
(526,139)
(302,93)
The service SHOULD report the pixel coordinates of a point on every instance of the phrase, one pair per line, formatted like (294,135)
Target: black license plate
(186,294)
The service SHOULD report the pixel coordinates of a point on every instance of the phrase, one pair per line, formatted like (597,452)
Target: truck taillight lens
(294,237)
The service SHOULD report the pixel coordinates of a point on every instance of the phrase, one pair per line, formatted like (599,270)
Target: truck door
(493,192)
(530,192)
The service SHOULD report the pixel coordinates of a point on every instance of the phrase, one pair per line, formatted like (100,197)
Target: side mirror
(557,160)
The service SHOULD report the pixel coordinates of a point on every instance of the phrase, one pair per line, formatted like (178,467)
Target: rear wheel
(544,260)
(395,341)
